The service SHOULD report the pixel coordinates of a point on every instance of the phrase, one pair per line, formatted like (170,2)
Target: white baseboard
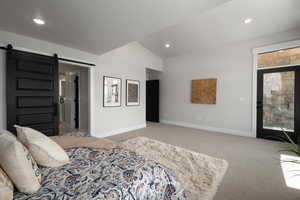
(119,131)
(209,128)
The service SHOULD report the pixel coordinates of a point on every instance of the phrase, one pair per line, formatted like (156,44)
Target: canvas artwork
(111,91)
(132,93)
(204,91)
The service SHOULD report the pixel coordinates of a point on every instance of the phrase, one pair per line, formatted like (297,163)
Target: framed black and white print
(132,92)
(112,88)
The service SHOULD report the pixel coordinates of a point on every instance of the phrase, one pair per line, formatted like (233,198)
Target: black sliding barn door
(32,91)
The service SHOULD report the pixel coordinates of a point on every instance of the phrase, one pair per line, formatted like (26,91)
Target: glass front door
(277,108)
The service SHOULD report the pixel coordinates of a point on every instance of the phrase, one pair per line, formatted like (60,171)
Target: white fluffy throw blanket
(199,174)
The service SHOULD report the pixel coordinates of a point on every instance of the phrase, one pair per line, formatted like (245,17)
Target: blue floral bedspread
(110,174)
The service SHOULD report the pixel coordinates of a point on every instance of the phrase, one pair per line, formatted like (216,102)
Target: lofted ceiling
(225,25)
(97,26)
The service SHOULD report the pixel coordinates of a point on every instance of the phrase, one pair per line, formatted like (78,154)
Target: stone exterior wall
(278,102)
(279,58)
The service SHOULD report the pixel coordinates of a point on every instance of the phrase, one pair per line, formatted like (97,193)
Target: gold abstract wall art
(204,91)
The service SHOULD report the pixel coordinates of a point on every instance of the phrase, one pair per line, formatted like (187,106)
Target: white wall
(232,66)
(34,45)
(152,74)
(127,62)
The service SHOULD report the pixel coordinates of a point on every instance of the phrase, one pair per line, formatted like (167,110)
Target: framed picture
(204,91)
(112,88)
(132,92)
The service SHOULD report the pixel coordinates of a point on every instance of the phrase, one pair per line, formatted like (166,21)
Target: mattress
(110,174)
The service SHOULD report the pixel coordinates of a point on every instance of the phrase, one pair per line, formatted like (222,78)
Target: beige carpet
(254,171)
(199,174)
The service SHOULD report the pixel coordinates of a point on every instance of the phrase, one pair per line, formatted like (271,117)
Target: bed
(105,173)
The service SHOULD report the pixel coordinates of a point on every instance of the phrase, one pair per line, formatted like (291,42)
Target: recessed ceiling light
(248,21)
(39,21)
(167,45)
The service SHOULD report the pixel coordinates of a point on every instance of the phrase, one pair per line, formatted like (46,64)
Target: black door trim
(259,104)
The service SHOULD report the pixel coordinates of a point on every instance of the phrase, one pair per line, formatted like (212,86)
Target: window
(279,58)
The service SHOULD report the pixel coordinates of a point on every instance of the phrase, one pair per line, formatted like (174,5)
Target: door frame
(256,51)
(90,92)
(260,82)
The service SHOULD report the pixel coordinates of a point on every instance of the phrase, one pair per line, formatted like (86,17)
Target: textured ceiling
(224,25)
(97,26)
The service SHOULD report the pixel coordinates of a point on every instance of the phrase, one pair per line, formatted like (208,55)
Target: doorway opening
(74,98)
(278,94)
(152,95)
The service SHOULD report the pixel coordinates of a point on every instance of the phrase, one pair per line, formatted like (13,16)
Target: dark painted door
(152,101)
(76,100)
(32,91)
(278,108)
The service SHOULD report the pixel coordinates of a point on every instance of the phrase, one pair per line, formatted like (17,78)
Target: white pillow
(6,193)
(5,132)
(18,164)
(44,150)
(6,186)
